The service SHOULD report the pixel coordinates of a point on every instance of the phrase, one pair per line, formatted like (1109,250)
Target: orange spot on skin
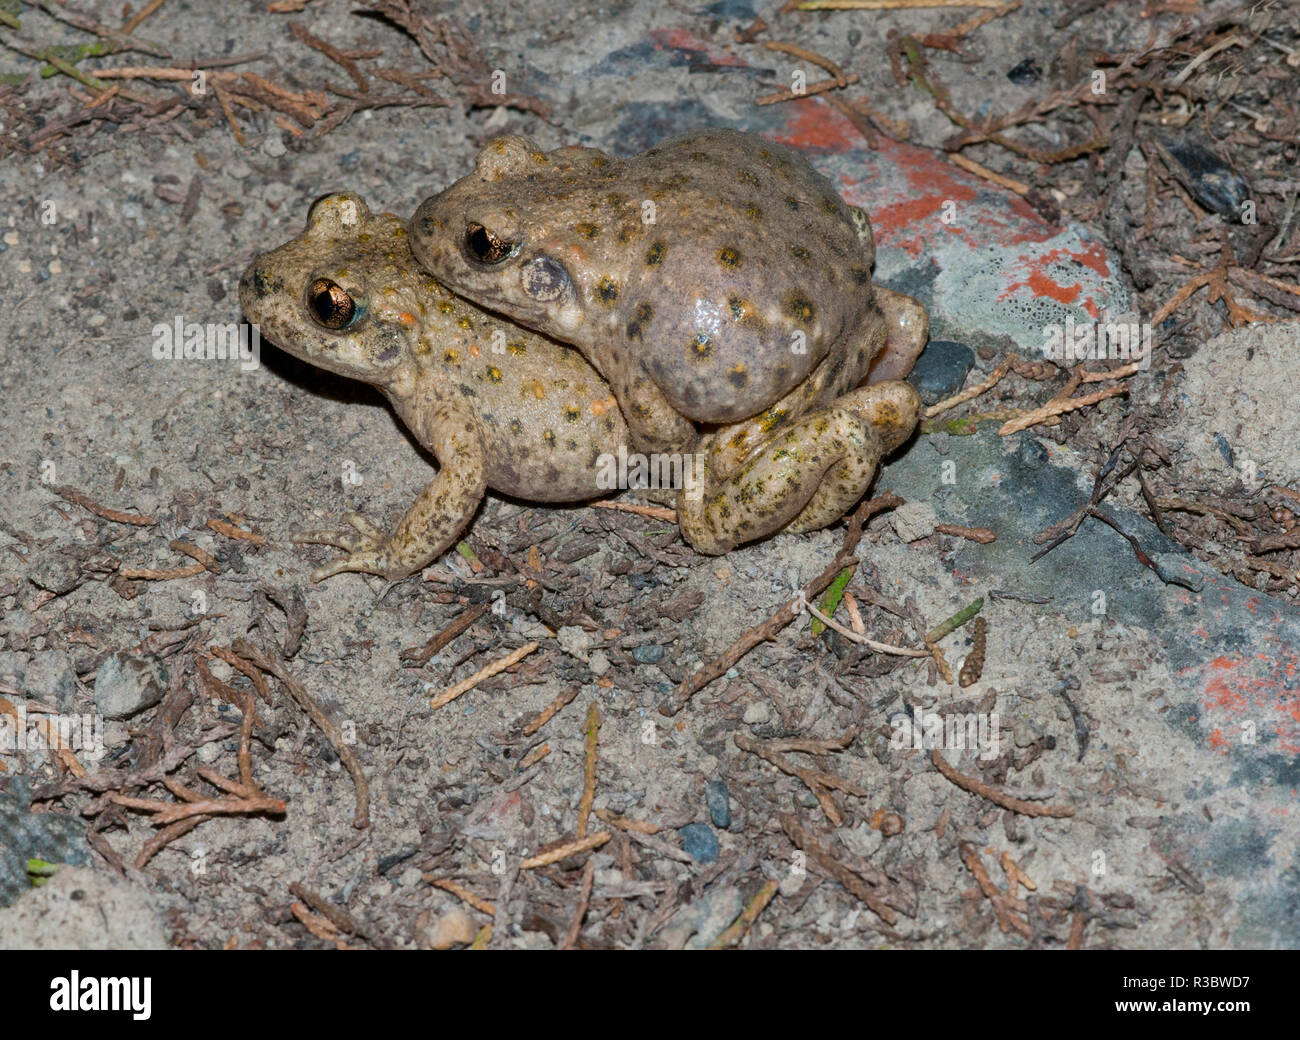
(474,351)
(601,407)
(406,318)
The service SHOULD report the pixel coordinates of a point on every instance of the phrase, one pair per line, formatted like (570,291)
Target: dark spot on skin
(860,275)
(614,199)
(517,347)
(655,254)
(799,308)
(265,283)
(640,319)
(753,212)
(748,177)
(427,224)
(701,346)
(468,391)
(729,257)
(451,357)
(698,156)
(571,445)
(572,413)
(548,438)
(587,230)
(677,180)
(782,372)
(689,394)
(831,205)
(609,424)
(737,376)
(516,427)
(493,373)
(390,352)
(607,290)
(799,252)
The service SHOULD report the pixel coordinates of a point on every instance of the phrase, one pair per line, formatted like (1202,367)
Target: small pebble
(719,802)
(757,713)
(651,653)
(941,370)
(454,928)
(699,842)
(1026,73)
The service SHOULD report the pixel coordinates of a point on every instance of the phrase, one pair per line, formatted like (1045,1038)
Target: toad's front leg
(433,522)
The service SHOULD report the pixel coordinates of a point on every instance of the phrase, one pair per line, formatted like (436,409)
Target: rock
(941,369)
(1239,409)
(757,713)
(700,843)
(703,920)
(574,641)
(790,885)
(1032,452)
(51,677)
(914,520)
(25,835)
(84,909)
(454,928)
(650,653)
(127,685)
(598,662)
(719,802)
(56,572)
(863,840)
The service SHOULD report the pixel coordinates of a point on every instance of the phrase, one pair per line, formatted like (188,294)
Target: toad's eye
(485,247)
(330,305)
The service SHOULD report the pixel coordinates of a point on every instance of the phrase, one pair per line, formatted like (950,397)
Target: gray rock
(914,520)
(25,835)
(700,843)
(718,800)
(50,677)
(651,653)
(55,572)
(941,369)
(127,685)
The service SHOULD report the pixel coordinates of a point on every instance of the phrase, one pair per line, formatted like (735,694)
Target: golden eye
(486,247)
(330,305)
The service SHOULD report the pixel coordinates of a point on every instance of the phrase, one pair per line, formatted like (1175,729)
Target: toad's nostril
(261,282)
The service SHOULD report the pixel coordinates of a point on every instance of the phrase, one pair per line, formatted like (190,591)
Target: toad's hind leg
(890,411)
(435,519)
(818,467)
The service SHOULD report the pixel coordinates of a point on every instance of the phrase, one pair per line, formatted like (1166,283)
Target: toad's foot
(907,330)
(812,472)
(367,547)
(433,523)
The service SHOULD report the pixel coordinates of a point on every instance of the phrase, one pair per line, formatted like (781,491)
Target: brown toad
(714,278)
